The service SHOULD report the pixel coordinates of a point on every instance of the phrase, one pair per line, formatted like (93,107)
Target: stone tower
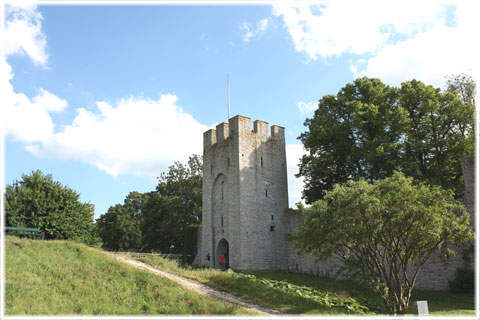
(244,196)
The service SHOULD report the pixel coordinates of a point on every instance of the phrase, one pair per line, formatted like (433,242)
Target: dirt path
(198,287)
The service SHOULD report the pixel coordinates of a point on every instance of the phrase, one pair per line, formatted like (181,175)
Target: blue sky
(106,97)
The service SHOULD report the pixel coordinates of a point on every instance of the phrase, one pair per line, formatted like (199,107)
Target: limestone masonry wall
(434,275)
(245,206)
(244,195)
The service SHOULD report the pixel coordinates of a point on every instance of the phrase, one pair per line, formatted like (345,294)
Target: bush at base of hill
(37,201)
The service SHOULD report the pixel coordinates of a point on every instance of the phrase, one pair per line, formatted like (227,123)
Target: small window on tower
(271,216)
(266,193)
(228,162)
(272,228)
(222,221)
(261,161)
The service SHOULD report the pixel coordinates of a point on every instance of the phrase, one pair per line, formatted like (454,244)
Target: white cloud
(48,101)
(254,31)
(295,185)
(135,136)
(325,30)
(23,34)
(431,55)
(306,107)
(26,120)
(395,41)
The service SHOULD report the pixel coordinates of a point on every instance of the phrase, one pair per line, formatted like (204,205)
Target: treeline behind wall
(163,220)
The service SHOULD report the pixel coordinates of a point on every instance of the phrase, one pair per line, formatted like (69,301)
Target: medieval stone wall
(244,195)
(245,201)
(306,263)
(434,275)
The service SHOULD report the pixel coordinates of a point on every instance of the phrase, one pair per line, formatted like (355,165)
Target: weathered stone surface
(245,197)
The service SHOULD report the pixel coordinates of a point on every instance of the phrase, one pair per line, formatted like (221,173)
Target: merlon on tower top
(239,126)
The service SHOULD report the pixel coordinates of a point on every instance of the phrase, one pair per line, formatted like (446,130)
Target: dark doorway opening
(222,251)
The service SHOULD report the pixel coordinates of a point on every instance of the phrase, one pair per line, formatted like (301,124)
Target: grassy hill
(292,293)
(65,278)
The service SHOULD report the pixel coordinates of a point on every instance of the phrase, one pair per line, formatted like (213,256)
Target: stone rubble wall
(434,275)
(245,201)
(245,184)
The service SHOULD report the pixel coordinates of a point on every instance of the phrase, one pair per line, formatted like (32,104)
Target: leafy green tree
(159,220)
(353,134)
(439,133)
(120,227)
(384,232)
(38,201)
(183,184)
(173,207)
(159,229)
(370,129)
(464,85)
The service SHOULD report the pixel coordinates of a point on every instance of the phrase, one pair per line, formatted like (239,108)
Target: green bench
(25,231)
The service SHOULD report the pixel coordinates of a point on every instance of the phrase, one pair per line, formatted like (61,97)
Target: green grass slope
(285,292)
(286,298)
(65,278)
(439,302)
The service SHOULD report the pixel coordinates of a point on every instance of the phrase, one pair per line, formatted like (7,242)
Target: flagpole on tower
(228,95)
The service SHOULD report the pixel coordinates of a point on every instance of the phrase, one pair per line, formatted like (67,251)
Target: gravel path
(198,287)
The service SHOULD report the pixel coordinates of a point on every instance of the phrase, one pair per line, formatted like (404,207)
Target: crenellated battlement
(239,126)
(245,220)
(244,195)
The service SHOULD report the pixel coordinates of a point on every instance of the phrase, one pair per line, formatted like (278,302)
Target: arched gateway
(222,250)
(245,195)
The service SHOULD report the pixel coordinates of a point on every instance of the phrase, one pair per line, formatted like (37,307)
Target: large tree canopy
(175,205)
(464,86)
(40,202)
(370,129)
(384,232)
(159,220)
(120,227)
